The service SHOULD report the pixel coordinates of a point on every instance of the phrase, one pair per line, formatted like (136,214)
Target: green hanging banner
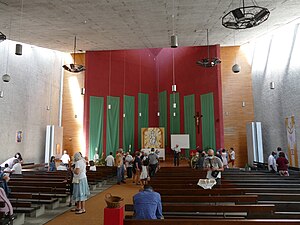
(96,126)
(163,116)
(174,113)
(143,114)
(189,120)
(208,121)
(112,124)
(128,123)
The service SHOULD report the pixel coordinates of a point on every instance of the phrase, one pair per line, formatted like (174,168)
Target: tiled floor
(51,214)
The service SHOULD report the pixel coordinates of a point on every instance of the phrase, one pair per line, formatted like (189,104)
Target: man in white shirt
(65,158)
(17,167)
(177,151)
(110,161)
(272,163)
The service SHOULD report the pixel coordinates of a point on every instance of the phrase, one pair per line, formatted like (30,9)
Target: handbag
(75,180)
(214,173)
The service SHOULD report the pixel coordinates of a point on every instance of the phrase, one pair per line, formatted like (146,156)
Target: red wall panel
(134,71)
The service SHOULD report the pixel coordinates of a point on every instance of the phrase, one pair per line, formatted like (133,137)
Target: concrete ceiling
(129,24)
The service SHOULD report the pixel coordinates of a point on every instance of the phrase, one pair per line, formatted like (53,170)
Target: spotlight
(236,68)
(174,41)
(18,49)
(2,37)
(6,78)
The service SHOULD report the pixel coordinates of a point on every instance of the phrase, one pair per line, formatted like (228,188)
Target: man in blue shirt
(147,204)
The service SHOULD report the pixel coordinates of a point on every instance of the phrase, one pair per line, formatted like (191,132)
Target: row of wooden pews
(255,197)
(38,190)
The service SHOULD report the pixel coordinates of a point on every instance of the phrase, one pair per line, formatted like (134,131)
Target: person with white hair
(81,189)
(213,165)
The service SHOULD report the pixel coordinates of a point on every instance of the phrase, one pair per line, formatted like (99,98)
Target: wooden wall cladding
(236,88)
(72,109)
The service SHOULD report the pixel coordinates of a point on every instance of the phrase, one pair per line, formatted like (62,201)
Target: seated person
(10,161)
(7,209)
(17,167)
(6,170)
(147,204)
(92,166)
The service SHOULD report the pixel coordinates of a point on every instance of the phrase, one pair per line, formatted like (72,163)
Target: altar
(154,137)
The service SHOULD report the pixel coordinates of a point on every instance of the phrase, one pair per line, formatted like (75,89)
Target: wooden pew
(211,222)
(171,210)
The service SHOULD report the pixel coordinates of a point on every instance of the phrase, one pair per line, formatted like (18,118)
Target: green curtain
(143,114)
(174,119)
(128,123)
(163,117)
(208,121)
(112,124)
(189,120)
(96,126)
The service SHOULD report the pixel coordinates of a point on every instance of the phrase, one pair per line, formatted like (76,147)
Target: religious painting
(291,137)
(153,137)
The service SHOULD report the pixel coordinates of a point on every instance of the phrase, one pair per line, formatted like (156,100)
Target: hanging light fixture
(2,37)
(174,38)
(73,67)
(208,62)
(109,75)
(236,67)
(19,47)
(245,17)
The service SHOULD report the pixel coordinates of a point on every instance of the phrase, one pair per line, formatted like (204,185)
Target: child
(144,174)
(92,166)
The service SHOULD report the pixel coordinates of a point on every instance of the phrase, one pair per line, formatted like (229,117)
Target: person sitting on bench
(147,204)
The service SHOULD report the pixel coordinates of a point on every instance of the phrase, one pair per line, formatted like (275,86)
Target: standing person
(110,160)
(214,166)
(224,158)
(137,167)
(128,164)
(201,160)
(96,157)
(282,164)
(232,156)
(80,185)
(144,173)
(147,204)
(52,166)
(120,166)
(272,163)
(177,151)
(153,162)
(65,158)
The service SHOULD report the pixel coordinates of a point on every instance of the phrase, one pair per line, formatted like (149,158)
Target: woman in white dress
(81,189)
(144,174)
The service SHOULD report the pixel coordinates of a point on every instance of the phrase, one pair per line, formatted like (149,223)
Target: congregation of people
(137,168)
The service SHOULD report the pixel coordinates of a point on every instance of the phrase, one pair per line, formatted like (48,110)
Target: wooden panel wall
(236,88)
(73,127)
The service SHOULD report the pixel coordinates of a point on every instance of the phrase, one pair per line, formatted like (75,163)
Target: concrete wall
(276,58)
(34,85)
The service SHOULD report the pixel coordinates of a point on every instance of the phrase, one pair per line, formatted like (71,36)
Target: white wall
(276,58)
(34,85)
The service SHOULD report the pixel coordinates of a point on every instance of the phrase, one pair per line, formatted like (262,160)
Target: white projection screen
(183,140)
